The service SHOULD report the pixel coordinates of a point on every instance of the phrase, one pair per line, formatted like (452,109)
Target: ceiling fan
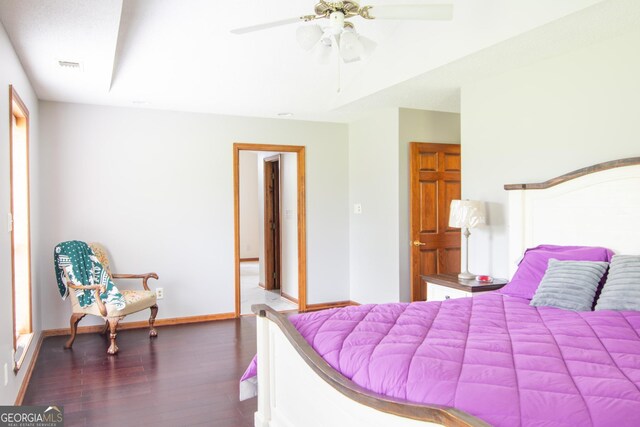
(340,34)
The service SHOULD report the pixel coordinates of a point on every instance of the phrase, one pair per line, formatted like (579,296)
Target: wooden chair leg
(75,318)
(152,319)
(113,326)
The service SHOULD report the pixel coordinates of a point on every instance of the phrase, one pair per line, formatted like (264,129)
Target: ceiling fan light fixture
(308,36)
(336,22)
(351,49)
(327,38)
(340,35)
(323,51)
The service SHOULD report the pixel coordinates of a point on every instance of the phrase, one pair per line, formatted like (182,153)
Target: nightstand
(445,286)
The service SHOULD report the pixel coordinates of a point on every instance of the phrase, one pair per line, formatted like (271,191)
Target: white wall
(541,121)
(249,237)
(156,188)
(11,73)
(379,181)
(417,126)
(373,183)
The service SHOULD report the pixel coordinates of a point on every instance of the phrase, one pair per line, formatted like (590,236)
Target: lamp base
(466,276)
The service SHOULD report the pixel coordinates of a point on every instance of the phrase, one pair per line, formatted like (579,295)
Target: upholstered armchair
(99,296)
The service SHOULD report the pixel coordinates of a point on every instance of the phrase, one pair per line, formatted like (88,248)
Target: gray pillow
(622,289)
(569,284)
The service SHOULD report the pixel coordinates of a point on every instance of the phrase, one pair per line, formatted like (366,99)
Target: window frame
(17,108)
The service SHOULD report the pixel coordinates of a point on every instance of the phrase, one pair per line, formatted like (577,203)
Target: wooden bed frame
(598,206)
(595,206)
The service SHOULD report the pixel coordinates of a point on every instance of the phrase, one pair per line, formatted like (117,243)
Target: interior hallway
(251,293)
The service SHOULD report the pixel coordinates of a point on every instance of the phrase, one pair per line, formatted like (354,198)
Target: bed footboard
(296,387)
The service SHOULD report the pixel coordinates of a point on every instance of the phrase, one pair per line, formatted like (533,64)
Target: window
(20,227)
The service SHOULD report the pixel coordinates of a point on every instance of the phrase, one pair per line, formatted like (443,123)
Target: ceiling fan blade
(259,27)
(432,12)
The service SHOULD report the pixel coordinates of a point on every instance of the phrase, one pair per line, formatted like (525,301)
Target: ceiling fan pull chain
(339,75)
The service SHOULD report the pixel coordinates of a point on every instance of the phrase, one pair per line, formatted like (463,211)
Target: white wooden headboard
(596,206)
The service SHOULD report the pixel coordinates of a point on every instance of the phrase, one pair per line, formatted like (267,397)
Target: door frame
(272,240)
(302,227)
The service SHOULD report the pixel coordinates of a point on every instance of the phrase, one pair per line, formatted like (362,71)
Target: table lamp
(466,214)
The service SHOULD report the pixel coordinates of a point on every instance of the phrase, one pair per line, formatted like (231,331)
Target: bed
(492,359)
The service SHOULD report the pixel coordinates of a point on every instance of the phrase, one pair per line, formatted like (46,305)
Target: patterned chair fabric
(80,269)
(76,264)
(135,301)
(101,254)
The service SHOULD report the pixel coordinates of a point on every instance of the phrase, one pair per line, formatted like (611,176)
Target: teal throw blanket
(83,268)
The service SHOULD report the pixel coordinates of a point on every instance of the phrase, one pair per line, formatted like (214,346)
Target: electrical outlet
(6,374)
(357,208)
(159,293)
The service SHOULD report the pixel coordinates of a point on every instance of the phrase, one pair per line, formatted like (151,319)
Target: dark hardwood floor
(187,376)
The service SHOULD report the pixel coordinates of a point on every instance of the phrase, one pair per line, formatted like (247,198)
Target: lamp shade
(350,47)
(323,50)
(308,36)
(466,214)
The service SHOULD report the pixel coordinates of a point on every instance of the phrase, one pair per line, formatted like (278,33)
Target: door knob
(418,243)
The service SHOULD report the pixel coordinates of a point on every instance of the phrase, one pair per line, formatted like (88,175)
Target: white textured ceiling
(439,89)
(180,55)
(45,32)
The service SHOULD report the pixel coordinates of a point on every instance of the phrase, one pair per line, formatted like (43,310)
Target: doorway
(282,211)
(434,181)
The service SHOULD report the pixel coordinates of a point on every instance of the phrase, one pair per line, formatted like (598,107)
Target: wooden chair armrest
(98,290)
(84,288)
(144,278)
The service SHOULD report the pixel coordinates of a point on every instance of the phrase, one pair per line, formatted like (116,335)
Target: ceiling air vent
(70,65)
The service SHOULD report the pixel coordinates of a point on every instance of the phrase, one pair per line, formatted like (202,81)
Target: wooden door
(272,222)
(435,181)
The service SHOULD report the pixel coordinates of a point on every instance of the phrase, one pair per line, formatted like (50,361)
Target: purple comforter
(492,356)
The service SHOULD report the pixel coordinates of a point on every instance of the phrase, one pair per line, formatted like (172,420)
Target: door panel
(428,161)
(451,162)
(450,258)
(429,200)
(435,181)
(429,259)
(272,251)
